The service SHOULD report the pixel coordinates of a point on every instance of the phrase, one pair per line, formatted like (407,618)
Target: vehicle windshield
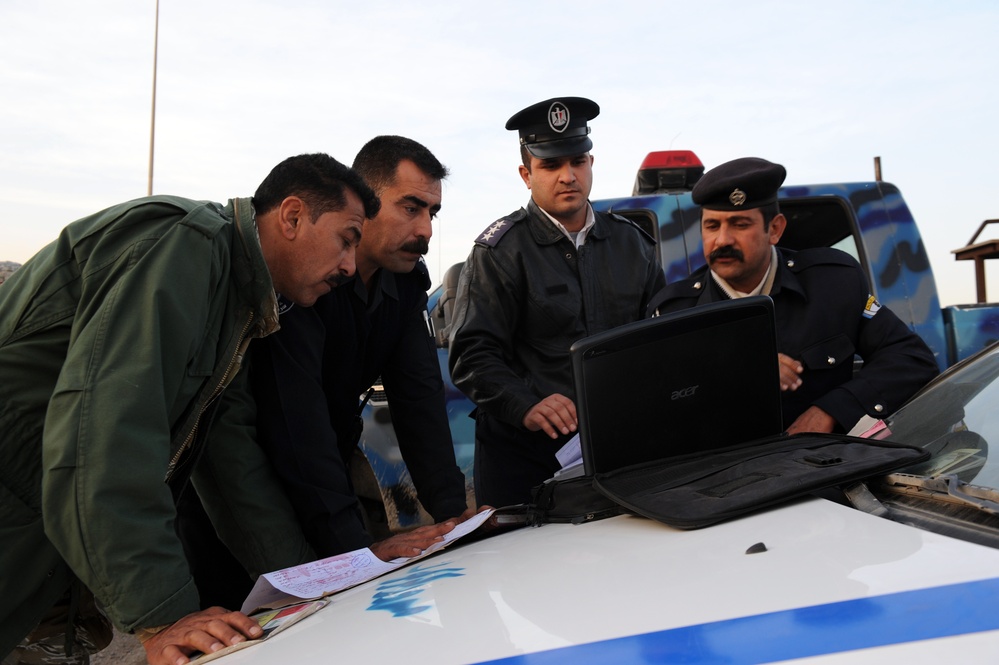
(956,418)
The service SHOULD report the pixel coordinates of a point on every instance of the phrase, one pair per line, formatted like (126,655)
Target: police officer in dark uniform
(308,377)
(824,308)
(535,282)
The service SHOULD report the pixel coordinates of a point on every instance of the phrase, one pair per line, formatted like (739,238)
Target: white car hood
(832,581)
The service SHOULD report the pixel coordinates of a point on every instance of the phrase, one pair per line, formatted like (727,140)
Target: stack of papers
(336,573)
(570,456)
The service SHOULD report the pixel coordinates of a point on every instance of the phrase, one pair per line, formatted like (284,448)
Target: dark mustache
(418,246)
(727,252)
(337,279)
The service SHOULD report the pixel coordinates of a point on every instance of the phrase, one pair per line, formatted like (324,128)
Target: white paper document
(570,454)
(336,573)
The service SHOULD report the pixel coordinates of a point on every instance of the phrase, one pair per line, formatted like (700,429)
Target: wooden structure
(979,252)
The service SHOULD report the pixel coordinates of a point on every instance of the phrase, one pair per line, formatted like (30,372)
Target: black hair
(317,179)
(379,159)
(525,157)
(769,211)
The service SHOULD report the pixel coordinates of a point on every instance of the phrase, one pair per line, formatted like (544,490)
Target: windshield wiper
(983,498)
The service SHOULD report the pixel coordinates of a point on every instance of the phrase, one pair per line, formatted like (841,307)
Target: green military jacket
(116,341)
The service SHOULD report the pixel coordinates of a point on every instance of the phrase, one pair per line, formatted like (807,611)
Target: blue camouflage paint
(401,595)
(865,623)
(971,328)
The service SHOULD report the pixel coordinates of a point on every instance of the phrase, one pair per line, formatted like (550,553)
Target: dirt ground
(123,650)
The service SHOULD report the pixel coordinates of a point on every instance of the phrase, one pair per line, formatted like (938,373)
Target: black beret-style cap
(742,184)
(555,127)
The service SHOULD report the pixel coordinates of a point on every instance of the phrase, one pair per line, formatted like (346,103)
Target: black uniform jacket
(825,315)
(307,380)
(527,293)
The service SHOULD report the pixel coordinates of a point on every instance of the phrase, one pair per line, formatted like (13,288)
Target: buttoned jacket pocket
(828,353)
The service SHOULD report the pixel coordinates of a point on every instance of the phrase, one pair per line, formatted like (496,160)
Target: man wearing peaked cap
(536,281)
(824,309)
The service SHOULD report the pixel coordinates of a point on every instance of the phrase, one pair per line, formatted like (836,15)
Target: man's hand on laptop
(813,419)
(789,371)
(555,414)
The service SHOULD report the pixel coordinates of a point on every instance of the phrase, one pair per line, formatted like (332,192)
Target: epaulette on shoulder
(620,218)
(682,290)
(818,256)
(495,231)
(691,287)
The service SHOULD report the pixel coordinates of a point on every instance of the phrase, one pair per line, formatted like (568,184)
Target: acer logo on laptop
(684,392)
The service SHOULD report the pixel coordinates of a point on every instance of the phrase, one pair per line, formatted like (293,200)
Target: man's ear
(291,213)
(525,175)
(777,226)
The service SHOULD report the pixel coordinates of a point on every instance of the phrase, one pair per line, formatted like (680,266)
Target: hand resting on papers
(413,543)
(205,631)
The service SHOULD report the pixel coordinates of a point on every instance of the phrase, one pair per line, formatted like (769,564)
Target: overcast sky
(822,88)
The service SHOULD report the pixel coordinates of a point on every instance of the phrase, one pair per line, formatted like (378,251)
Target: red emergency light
(668,171)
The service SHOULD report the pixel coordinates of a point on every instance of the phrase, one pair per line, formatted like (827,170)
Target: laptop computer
(680,418)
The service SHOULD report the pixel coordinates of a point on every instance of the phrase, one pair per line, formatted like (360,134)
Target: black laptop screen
(700,380)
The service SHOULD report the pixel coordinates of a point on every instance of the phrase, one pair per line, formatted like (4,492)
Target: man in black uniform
(535,282)
(308,377)
(824,308)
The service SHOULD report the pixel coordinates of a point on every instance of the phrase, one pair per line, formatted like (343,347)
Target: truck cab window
(819,223)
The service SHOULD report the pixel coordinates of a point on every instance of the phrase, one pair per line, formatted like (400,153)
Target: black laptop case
(680,419)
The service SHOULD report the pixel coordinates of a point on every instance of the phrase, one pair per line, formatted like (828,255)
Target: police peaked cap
(555,127)
(741,184)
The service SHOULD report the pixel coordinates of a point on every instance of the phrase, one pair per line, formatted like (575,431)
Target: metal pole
(877,165)
(152,122)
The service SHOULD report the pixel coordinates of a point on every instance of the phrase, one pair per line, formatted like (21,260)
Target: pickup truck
(868,220)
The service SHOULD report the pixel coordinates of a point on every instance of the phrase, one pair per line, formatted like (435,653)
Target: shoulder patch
(495,231)
(871,308)
(621,218)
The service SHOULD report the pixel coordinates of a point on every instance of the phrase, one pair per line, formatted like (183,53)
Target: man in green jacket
(116,341)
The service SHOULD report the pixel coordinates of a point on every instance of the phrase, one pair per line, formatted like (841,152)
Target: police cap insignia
(558,117)
(555,127)
(741,184)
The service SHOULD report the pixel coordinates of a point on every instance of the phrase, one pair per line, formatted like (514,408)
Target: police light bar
(668,171)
